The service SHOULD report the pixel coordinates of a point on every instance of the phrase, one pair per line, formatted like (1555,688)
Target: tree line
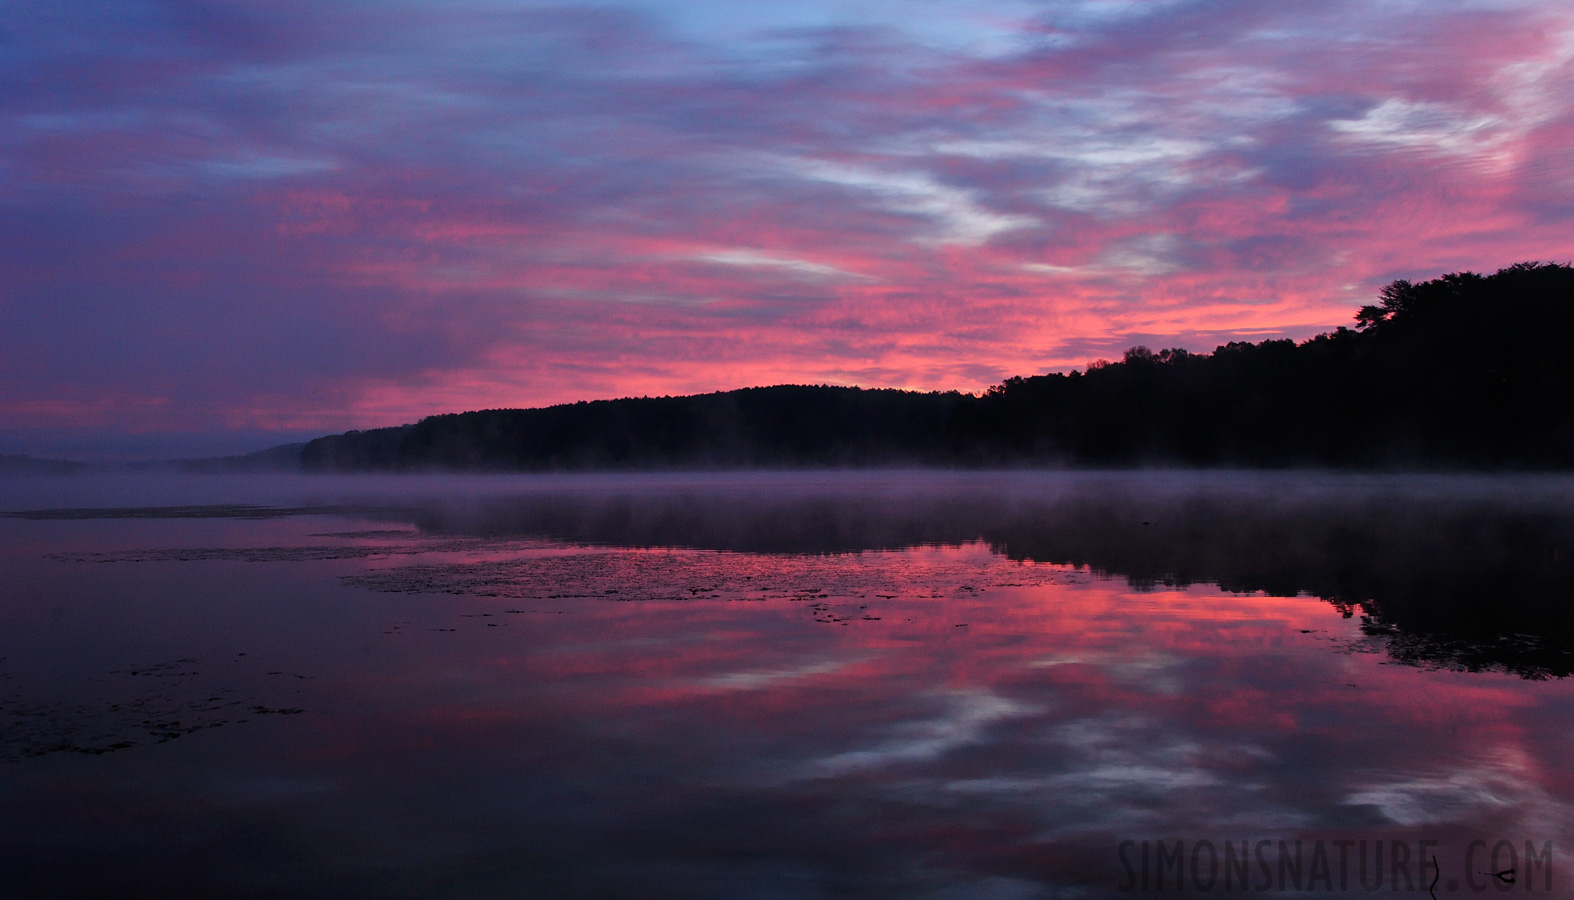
(1461,371)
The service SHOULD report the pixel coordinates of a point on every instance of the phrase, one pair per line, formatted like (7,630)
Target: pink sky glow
(277,219)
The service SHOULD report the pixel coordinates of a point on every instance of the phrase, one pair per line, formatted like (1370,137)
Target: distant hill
(285,457)
(1462,371)
(782,426)
(21,464)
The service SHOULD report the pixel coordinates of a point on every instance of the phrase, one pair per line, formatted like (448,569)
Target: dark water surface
(807,685)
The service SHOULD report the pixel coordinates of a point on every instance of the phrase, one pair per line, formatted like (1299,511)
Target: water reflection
(1460,572)
(785,688)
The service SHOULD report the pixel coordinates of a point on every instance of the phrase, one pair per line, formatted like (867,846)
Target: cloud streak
(314,216)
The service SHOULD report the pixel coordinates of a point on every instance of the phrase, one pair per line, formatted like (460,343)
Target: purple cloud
(295,217)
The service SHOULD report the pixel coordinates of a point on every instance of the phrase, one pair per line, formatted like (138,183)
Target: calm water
(856,685)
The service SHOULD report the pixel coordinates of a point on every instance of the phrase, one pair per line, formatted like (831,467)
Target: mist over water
(895,683)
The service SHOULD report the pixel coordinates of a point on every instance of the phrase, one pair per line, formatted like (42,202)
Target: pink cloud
(356,228)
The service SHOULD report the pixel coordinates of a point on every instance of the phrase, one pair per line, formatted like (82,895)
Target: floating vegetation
(149,704)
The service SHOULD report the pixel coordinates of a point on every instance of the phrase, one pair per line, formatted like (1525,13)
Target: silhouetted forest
(1462,371)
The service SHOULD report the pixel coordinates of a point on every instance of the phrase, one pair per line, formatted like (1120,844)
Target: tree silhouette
(1461,371)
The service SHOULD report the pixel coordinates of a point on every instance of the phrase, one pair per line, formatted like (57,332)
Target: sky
(228,225)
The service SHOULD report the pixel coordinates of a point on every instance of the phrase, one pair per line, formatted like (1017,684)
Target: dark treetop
(1463,371)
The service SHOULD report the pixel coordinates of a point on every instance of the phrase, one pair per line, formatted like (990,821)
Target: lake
(789,685)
